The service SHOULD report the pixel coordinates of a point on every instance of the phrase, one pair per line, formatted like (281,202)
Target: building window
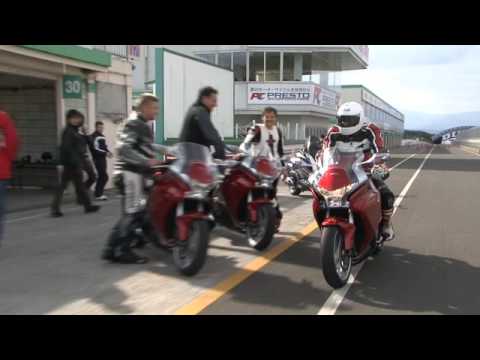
(208,57)
(298,67)
(289,67)
(225,60)
(367,111)
(257,66)
(273,66)
(307,67)
(240,66)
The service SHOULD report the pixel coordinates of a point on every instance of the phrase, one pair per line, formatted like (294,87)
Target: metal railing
(117,50)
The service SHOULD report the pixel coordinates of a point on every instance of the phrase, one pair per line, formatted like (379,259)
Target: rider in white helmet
(354,130)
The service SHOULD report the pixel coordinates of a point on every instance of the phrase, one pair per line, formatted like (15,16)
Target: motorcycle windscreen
(195,161)
(341,168)
(264,163)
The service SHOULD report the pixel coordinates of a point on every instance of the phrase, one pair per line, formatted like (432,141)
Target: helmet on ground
(350,118)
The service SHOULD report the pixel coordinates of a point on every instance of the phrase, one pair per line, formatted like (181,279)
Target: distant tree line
(417,134)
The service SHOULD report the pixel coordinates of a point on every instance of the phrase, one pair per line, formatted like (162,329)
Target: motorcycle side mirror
(225,163)
(230,163)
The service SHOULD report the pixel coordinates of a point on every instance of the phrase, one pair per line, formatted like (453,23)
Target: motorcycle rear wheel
(336,263)
(260,234)
(189,256)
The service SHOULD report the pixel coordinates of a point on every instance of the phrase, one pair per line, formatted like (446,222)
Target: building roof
(371,92)
(75,52)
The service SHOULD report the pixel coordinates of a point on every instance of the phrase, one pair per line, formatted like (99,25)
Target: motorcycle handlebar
(226,163)
(375,158)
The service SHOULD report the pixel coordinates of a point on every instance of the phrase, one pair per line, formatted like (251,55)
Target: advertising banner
(292,94)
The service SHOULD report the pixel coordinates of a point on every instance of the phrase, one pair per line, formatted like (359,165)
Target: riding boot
(118,247)
(279,218)
(387,227)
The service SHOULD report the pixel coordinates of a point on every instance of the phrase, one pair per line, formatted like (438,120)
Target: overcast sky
(437,79)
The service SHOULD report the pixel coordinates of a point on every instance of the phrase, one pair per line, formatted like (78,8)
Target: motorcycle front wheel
(294,190)
(260,234)
(336,263)
(189,256)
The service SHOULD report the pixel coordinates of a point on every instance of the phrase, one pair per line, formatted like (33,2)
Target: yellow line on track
(211,295)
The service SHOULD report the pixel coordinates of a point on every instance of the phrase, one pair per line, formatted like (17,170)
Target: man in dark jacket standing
(8,151)
(100,153)
(72,152)
(87,163)
(198,127)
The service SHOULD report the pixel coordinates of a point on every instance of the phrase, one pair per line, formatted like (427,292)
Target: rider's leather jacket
(368,138)
(259,138)
(135,146)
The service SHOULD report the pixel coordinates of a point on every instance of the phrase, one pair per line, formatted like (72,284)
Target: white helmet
(350,118)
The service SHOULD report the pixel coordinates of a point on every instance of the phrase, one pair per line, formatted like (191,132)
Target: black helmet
(313,145)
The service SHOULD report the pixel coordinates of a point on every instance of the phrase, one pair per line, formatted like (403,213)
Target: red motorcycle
(179,205)
(348,211)
(246,199)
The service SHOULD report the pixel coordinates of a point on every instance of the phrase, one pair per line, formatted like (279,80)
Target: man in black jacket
(87,163)
(198,127)
(136,156)
(72,152)
(100,153)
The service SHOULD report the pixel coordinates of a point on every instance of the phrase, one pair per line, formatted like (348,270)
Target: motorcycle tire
(190,257)
(266,221)
(376,250)
(294,190)
(335,271)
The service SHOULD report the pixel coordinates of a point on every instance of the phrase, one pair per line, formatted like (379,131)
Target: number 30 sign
(72,87)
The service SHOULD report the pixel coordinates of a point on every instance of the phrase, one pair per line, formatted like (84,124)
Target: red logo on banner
(257,95)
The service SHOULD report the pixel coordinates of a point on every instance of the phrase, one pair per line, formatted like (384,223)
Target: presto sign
(290,94)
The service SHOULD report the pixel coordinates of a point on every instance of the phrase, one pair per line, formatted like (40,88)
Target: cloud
(388,56)
(433,79)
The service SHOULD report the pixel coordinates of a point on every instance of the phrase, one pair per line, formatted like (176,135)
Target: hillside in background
(434,123)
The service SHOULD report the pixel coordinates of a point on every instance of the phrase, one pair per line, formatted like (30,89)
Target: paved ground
(52,266)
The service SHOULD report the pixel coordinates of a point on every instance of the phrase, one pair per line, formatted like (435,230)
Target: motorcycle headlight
(336,197)
(264,183)
(199,190)
(335,202)
(198,195)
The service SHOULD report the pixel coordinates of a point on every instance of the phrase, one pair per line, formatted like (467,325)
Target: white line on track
(335,299)
(468,151)
(401,162)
